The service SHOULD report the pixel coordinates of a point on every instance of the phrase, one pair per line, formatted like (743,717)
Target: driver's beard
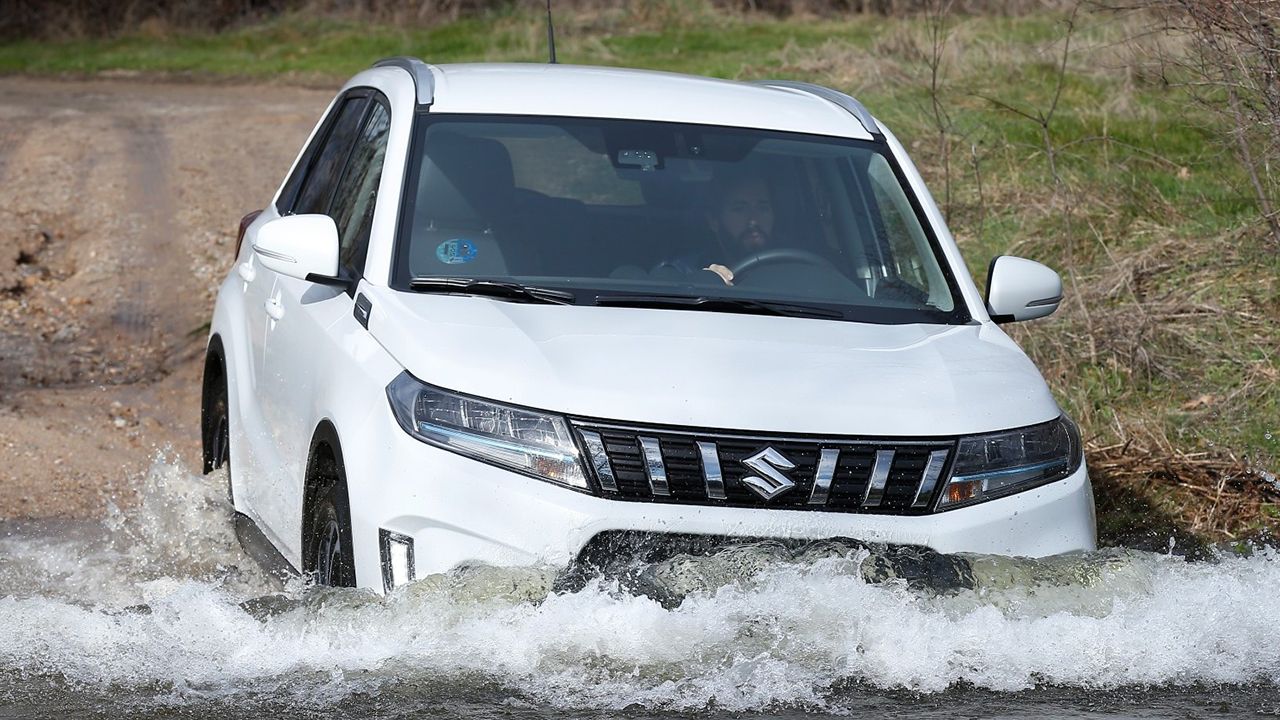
(752,240)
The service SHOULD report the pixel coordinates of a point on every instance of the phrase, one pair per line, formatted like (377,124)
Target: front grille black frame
(686,476)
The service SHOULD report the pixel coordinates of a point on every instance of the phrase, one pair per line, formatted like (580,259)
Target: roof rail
(423,80)
(852,106)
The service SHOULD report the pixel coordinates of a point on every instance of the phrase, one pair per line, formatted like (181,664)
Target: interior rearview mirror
(1021,289)
(299,246)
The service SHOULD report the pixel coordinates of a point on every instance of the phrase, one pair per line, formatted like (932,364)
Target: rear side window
(352,207)
(321,179)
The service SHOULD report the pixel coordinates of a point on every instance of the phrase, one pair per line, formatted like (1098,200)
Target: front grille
(872,475)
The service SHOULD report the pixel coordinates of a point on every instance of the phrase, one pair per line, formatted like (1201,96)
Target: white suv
(512,314)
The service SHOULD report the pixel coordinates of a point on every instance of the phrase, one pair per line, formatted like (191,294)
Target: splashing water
(157,607)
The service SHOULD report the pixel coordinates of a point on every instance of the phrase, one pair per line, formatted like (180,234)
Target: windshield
(623,211)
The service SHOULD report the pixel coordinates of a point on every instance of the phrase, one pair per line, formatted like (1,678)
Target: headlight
(527,441)
(990,466)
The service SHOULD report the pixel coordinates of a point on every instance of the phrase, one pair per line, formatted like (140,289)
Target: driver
(739,213)
(741,216)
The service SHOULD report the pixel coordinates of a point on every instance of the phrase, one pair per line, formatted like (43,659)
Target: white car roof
(582,91)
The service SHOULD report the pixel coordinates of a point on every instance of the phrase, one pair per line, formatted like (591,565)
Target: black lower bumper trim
(640,561)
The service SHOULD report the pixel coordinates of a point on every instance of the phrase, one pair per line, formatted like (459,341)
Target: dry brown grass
(1214,496)
(1167,349)
(1153,358)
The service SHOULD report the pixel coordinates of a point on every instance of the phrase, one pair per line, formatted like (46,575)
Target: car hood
(716,370)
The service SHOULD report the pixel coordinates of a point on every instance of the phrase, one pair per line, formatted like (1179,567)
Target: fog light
(397,559)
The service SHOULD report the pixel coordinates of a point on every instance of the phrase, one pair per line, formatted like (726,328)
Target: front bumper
(460,511)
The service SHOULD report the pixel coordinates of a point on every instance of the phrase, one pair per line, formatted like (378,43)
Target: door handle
(274,309)
(246,271)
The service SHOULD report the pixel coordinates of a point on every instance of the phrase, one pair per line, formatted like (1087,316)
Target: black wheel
(329,550)
(215,423)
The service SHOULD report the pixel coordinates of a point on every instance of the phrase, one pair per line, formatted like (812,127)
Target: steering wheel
(780,255)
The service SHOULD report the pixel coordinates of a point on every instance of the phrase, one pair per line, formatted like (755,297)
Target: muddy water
(156,613)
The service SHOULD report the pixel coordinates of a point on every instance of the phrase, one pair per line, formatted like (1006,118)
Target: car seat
(463,214)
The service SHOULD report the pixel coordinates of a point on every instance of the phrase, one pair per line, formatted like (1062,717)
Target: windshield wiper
(501,289)
(719,304)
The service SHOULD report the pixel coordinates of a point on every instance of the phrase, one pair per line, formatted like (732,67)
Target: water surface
(157,613)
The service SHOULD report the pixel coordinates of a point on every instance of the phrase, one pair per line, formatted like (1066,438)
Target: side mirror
(299,246)
(1020,289)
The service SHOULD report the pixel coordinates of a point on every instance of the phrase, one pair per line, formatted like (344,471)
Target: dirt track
(119,202)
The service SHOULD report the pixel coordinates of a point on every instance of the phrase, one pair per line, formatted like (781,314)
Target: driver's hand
(725,273)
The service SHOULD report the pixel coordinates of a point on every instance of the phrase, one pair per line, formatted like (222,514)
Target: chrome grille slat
(654,468)
(823,476)
(600,460)
(879,477)
(929,479)
(711,470)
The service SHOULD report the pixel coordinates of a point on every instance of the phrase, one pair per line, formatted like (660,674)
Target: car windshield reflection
(619,207)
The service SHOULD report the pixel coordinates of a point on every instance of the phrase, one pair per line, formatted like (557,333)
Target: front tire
(330,557)
(217,434)
(215,420)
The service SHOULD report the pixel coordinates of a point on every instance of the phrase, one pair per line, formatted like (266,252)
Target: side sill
(256,545)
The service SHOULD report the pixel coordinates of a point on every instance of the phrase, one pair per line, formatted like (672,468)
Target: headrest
(465,181)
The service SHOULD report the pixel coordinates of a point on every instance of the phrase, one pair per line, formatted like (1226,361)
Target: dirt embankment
(118,207)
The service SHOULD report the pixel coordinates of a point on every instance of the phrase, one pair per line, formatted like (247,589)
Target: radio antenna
(551,34)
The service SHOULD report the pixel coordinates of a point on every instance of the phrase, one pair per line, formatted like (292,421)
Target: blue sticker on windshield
(456,251)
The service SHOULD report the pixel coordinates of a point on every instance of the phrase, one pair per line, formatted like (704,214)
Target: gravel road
(119,202)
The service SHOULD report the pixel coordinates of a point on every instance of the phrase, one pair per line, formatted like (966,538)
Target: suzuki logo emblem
(771,482)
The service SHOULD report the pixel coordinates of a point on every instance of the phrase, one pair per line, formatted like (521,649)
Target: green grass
(1150,217)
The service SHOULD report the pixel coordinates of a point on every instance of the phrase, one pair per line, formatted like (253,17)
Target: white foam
(791,635)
